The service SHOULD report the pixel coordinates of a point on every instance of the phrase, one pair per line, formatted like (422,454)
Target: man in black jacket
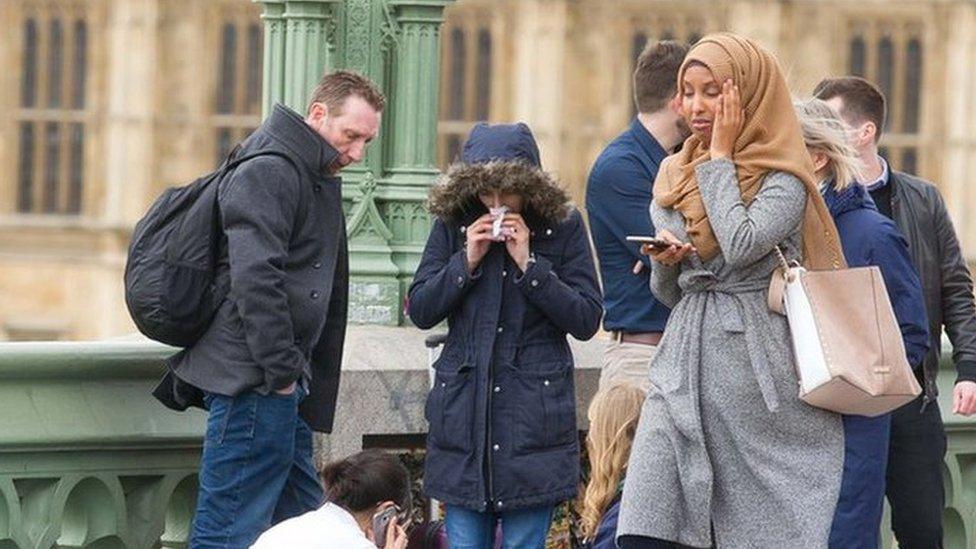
(269,363)
(918,441)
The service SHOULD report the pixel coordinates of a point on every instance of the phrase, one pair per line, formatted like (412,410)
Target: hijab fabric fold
(770,140)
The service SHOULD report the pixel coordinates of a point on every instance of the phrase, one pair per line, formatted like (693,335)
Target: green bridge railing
(89,459)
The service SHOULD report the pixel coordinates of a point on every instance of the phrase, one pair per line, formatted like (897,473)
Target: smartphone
(381,522)
(651,241)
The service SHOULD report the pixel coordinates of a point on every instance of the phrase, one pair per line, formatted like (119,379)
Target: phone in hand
(652,241)
(381,523)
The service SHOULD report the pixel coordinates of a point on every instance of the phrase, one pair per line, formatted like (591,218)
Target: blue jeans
(521,529)
(256,470)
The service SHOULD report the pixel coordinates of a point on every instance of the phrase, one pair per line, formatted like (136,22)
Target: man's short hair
(656,75)
(336,87)
(863,101)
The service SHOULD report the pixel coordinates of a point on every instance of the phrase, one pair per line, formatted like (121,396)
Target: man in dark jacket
(503,443)
(918,443)
(618,199)
(269,363)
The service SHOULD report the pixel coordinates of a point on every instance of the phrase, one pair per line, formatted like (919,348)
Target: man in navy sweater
(618,198)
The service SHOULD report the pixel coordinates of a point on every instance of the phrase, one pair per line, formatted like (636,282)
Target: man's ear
(317,111)
(870,132)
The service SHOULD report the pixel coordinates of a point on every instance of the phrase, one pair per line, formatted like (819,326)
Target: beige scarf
(770,140)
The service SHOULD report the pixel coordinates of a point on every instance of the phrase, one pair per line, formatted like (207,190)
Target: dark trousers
(256,469)
(914,480)
(857,518)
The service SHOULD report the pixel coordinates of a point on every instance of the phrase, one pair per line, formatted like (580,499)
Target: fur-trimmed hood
(455,195)
(503,158)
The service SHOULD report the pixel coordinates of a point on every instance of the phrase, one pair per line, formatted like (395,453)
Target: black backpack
(171,288)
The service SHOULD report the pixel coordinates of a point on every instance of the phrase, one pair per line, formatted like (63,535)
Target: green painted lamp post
(397,44)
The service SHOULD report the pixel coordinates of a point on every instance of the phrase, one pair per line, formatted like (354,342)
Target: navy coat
(502,411)
(870,238)
(606,532)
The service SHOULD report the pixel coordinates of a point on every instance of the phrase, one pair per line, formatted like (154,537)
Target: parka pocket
(450,409)
(545,407)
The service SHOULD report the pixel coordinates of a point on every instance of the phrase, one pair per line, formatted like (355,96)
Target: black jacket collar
(290,129)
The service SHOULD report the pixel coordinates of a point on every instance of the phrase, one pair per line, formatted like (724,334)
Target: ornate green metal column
(397,44)
(309,42)
(415,91)
(274,53)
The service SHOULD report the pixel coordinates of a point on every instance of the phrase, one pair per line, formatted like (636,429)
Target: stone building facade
(104,103)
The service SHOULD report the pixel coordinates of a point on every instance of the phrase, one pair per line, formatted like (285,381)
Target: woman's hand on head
(729,119)
(673,254)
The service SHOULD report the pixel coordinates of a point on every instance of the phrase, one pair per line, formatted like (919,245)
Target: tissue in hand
(498,233)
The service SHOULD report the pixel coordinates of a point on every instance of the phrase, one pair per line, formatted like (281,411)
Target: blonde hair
(825,131)
(613,416)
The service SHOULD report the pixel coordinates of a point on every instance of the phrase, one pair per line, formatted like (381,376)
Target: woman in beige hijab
(725,452)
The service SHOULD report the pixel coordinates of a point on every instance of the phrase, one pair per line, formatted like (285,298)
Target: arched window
(79,65)
(255,56)
(237,93)
(913,86)
(52,119)
(29,78)
(483,76)
(890,54)
(228,69)
(858,53)
(467,60)
(885,71)
(55,63)
(458,73)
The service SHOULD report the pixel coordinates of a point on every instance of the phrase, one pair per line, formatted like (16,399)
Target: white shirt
(330,527)
(882,179)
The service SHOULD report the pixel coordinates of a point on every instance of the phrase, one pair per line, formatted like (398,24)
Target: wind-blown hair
(825,131)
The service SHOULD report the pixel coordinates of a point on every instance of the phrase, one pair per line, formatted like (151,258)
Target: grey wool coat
(724,442)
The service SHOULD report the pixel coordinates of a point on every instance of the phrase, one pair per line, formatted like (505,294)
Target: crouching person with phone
(508,264)
(367,502)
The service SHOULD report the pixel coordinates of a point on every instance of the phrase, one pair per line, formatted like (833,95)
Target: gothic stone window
(466,62)
(52,118)
(890,54)
(237,94)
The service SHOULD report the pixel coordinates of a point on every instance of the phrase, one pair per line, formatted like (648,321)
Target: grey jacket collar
(290,129)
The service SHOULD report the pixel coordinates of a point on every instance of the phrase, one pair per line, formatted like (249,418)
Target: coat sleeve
(890,253)
(958,310)
(664,278)
(573,301)
(441,280)
(619,196)
(746,234)
(258,204)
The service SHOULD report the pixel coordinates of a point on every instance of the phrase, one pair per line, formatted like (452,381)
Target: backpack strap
(231,164)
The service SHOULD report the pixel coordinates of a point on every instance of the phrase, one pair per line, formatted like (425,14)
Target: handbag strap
(777,284)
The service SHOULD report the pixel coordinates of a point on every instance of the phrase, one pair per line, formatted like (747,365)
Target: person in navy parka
(868,238)
(503,443)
